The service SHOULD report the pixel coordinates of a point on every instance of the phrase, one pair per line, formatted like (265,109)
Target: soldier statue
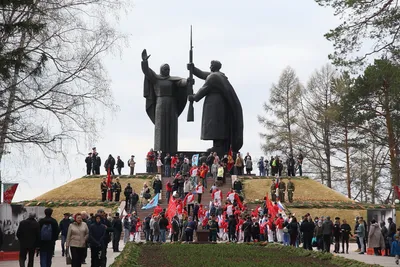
(290,190)
(273,190)
(282,189)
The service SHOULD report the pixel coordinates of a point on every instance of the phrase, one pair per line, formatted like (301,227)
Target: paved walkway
(59,261)
(369,259)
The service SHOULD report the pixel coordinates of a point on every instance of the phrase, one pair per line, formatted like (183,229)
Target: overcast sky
(254,40)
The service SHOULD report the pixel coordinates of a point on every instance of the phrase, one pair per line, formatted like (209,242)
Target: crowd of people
(170,165)
(78,232)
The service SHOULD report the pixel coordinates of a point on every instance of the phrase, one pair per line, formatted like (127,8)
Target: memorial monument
(166,97)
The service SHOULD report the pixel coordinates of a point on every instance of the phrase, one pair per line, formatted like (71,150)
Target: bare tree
(281,113)
(316,123)
(56,83)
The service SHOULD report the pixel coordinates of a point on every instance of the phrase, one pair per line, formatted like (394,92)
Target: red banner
(9,192)
(397,191)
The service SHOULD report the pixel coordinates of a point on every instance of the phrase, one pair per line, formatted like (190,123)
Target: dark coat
(48,246)
(327,227)
(64,224)
(28,233)
(221,99)
(97,234)
(117,225)
(163,223)
(157,186)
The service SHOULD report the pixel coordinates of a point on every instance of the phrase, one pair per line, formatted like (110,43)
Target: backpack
(46,233)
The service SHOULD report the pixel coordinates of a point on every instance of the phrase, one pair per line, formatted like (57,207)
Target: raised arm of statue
(200,74)
(149,73)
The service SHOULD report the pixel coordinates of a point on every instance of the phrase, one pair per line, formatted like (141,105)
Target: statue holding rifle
(222,119)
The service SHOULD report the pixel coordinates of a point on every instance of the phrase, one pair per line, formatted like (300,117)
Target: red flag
(109,184)
(231,162)
(171,210)
(397,190)
(9,192)
(238,202)
(270,207)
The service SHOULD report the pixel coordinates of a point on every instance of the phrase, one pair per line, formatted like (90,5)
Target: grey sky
(254,40)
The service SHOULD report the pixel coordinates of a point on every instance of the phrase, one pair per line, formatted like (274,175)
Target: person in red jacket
(279,228)
(168,190)
(174,160)
(203,174)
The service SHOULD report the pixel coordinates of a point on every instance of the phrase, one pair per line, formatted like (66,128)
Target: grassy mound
(226,255)
(87,189)
(306,190)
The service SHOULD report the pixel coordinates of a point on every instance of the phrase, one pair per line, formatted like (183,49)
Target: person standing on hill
(290,189)
(28,234)
(117,188)
(238,186)
(110,164)
(88,162)
(103,188)
(290,163)
(131,164)
(282,189)
(48,236)
(96,162)
(64,224)
(273,190)
(157,185)
(120,165)
(167,165)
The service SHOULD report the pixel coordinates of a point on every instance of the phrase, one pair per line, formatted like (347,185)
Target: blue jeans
(162,231)
(167,170)
(204,182)
(286,239)
(45,258)
(193,180)
(63,240)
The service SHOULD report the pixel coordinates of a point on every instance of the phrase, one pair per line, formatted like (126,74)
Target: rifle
(190,80)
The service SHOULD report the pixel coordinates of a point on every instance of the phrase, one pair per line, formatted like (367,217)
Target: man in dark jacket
(88,162)
(327,230)
(110,164)
(117,226)
(127,193)
(120,165)
(307,228)
(48,236)
(107,224)
(163,227)
(336,234)
(175,229)
(64,224)
(157,185)
(246,228)
(28,234)
(134,199)
(117,188)
(237,186)
(97,234)
(232,228)
(255,230)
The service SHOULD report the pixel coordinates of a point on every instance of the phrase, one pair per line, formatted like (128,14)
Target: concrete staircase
(206,197)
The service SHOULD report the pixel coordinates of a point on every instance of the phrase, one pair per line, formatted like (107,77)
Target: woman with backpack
(77,236)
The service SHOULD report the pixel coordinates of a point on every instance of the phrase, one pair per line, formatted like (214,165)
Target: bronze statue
(222,119)
(166,98)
